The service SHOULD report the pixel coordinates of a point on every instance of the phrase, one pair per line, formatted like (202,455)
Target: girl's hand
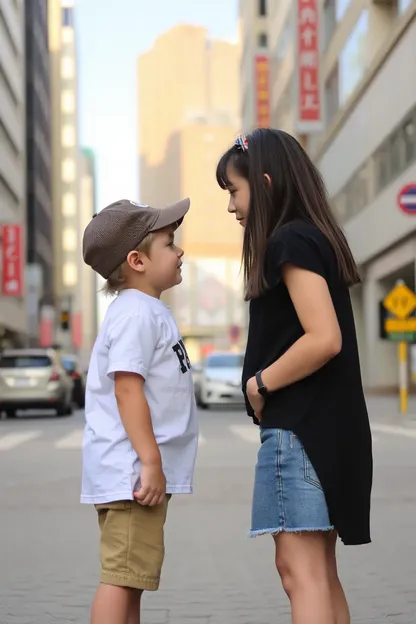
(255,399)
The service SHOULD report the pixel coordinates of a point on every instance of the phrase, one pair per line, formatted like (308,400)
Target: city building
(367,155)
(85,323)
(361,134)
(39,232)
(255,65)
(13,314)
(65,172)
(189,99)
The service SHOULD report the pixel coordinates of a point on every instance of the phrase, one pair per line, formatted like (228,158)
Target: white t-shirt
(138,335)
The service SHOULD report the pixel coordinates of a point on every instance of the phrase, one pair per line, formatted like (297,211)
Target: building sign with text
(309,113)
(12,261)
(262,90)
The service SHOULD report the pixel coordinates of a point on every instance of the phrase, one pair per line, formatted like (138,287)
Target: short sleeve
(302,247)
(132,342)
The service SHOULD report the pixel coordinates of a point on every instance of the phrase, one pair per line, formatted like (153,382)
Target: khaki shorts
(132,546)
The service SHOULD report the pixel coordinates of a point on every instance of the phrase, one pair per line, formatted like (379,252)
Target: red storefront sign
(12,261)
(262,86)
(309,91)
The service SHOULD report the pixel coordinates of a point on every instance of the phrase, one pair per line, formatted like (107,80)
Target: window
(68,136)
(404,5)
(69,205)
(69,274)
(409,132)
(226,360)
(67,16)
(68,170)
(67,101)
(396,153)
(381,168)
(69,239)
(262,40)
(262,8)
(67,67)
(352,60)
(332,95)
(67,35)
(341,7)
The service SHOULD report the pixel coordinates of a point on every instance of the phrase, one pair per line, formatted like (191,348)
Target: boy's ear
(135,261)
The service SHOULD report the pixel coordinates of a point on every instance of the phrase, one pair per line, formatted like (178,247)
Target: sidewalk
(386,418)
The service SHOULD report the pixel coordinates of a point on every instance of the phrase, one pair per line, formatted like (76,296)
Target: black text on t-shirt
(180,350)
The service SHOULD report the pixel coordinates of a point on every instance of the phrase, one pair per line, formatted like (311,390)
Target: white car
(220,380)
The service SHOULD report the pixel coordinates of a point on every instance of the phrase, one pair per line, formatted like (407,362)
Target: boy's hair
(117,280)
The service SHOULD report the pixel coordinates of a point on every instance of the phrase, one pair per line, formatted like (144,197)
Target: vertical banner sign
(308,73)
(262,86)
(12,265)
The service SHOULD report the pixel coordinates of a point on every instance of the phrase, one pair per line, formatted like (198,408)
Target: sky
(111,34)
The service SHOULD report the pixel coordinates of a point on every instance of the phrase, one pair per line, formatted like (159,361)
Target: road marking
(248,433)
(201,440)
(11,440)
(71,441)
(396,430)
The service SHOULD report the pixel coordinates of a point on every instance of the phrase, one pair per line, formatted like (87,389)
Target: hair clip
(241,143)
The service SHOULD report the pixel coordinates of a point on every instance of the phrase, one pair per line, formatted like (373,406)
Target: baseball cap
(120,227)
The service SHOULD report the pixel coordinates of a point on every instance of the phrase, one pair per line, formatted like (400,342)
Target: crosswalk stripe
(248,433)
(71,441)
(395,430)
(11,440)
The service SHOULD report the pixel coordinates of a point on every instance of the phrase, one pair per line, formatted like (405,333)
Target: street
(213,573)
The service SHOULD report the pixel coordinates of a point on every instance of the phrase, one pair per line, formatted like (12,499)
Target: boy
(141,434)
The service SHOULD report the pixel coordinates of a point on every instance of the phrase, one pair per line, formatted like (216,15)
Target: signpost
(401,327)
(235,333)
(406,199)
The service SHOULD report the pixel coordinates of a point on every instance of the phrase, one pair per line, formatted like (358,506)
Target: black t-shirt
(326,410)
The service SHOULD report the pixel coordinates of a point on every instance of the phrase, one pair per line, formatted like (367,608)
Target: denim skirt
(287,493)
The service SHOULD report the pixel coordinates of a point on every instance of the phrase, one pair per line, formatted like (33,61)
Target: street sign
(235,332)
(401,304)
(400,301)
(407,199)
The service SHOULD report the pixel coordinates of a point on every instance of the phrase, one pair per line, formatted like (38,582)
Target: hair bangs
(221,173)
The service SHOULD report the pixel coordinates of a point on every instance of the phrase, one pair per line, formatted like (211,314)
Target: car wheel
(11,413)
(64,410)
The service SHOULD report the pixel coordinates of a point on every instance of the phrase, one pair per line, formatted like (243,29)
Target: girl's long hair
(295,191)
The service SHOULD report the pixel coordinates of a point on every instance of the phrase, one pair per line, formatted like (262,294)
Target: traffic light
(65,320)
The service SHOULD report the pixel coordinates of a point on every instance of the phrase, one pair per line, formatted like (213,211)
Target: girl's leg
(340,605)
(302,562)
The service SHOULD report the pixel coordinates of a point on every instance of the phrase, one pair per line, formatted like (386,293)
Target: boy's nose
(180,252)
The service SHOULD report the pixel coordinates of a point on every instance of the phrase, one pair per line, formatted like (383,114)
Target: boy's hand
(152,489)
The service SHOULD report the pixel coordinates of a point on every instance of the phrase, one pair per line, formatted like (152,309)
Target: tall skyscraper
(40,284)
(189,100)
(65,179)
(13,312)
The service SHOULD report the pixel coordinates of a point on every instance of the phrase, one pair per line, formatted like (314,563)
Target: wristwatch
(262,390)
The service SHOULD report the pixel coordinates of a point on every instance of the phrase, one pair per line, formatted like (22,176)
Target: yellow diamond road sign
(400,301)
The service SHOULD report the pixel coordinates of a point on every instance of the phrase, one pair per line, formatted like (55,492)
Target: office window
(67,16)
(68,136)
(69,205)
(409,134)
(262,8)
(352,61)
(340,8)
(381,168)
(69,274)
(68,102)
(67,67)
(396,149)
(403,5)
(69,239)
(67,35)
(262,40)
(68,170)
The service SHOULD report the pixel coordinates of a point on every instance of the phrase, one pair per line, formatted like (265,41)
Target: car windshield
(25,361)
(228,360)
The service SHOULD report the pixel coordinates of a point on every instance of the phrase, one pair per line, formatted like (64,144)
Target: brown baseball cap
(120,227)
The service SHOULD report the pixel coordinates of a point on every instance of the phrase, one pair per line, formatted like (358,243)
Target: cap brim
(172,215)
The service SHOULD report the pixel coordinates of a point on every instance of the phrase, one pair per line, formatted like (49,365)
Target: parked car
(220,381)
(73,369)
(196,376)
(34,379)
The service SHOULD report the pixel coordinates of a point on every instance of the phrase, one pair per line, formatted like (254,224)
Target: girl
(301,376)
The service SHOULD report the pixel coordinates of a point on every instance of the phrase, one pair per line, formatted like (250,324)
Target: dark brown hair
(296,191)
